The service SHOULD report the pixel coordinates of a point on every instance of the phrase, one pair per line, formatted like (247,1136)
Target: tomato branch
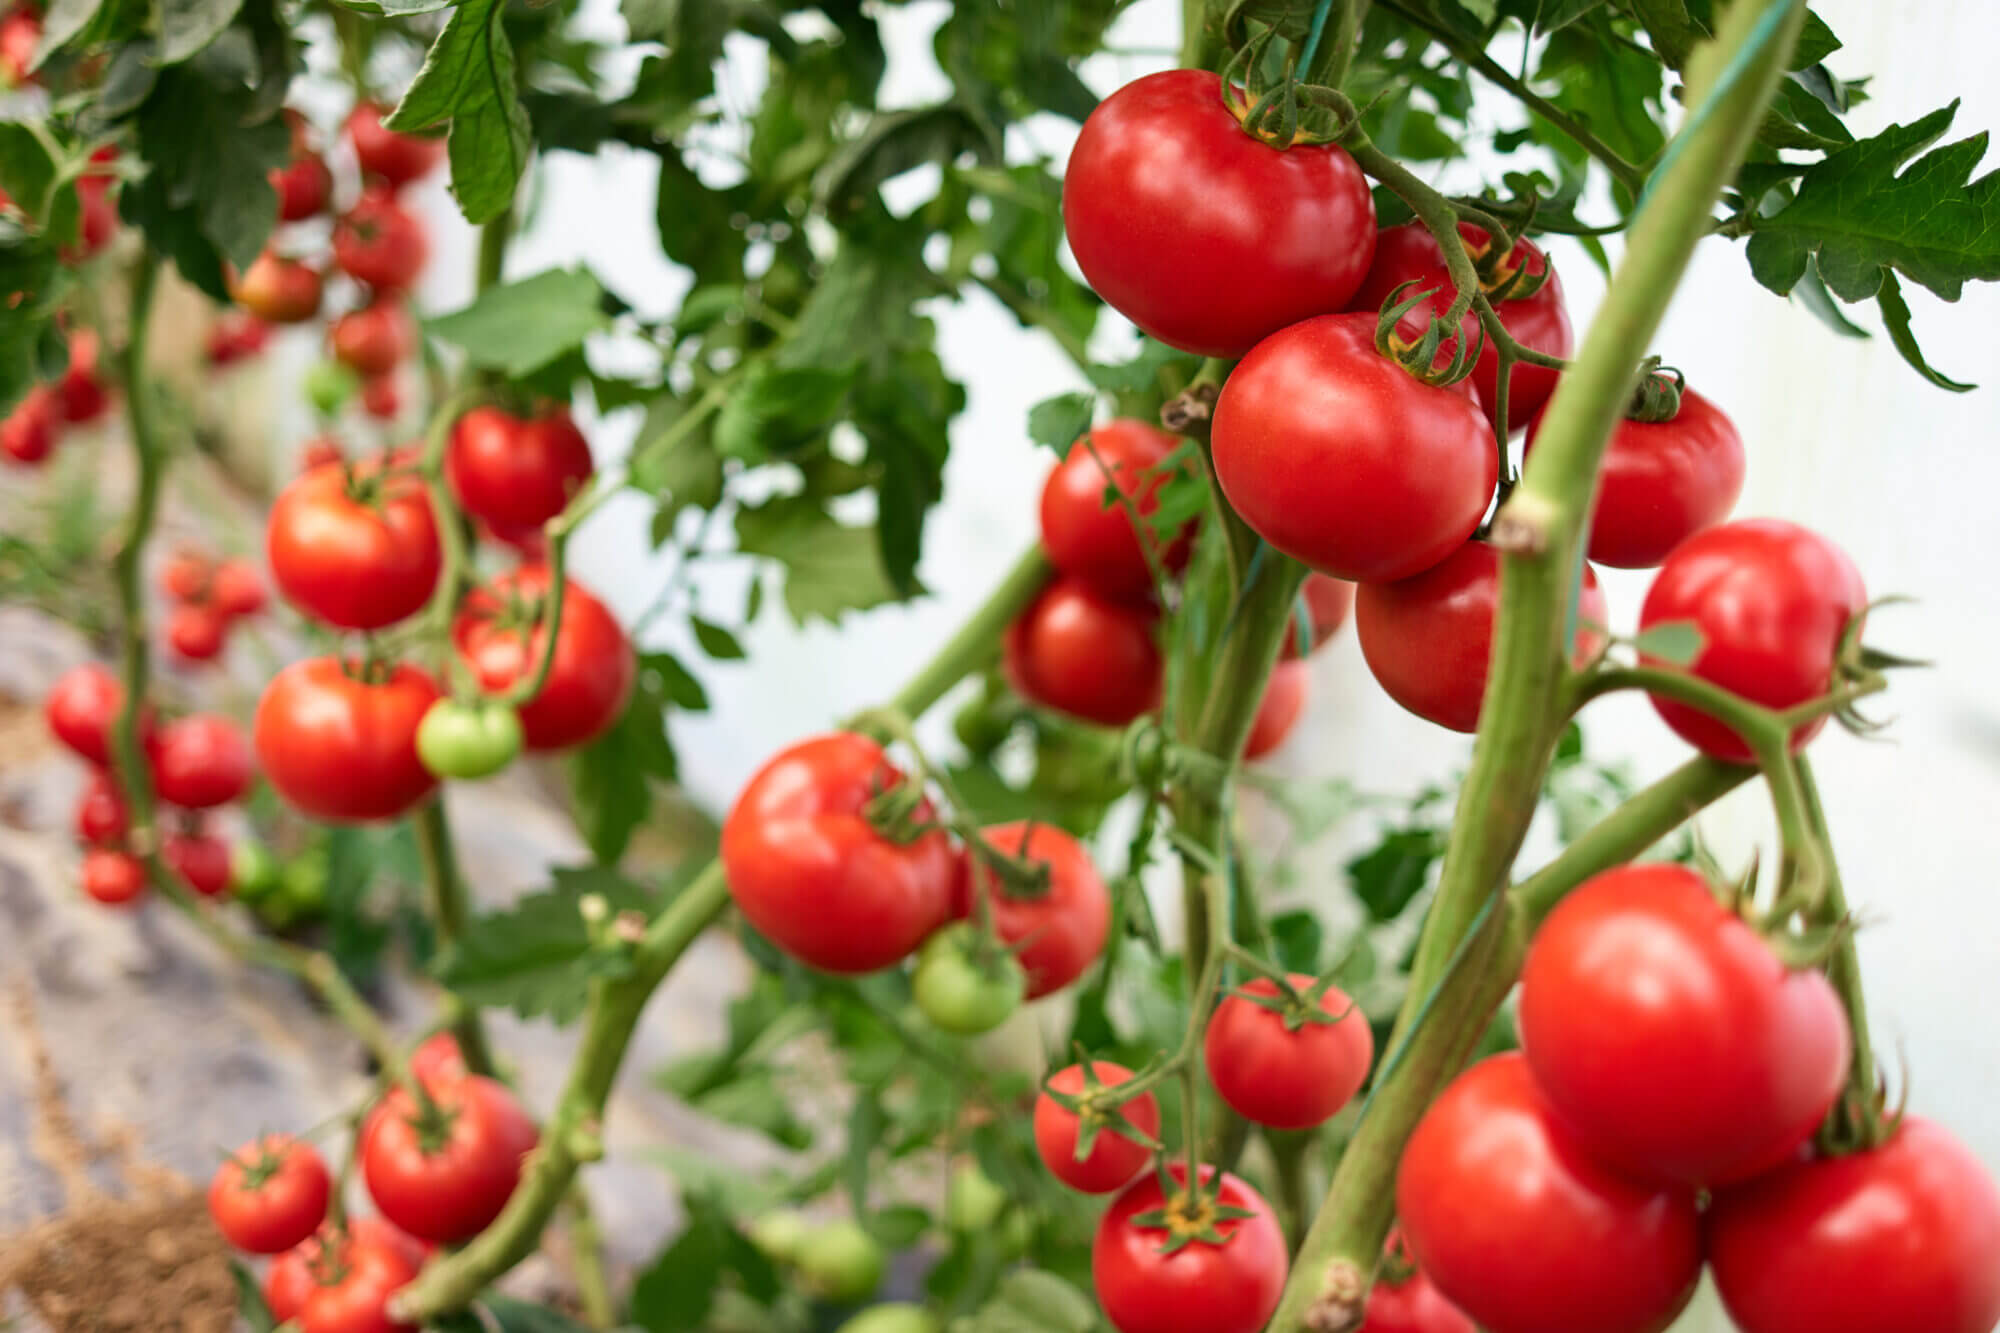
(1540,531)
(1856,1121)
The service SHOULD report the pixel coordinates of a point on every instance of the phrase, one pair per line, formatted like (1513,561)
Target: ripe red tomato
(97,218)
(1903,1236)
(1059,934)
(1524,1230)
(237,589)
(1201,1287)
(1538,321)
(361,1276)
(500,638)
(303,185)
(201,859)
(319,450)
(1092,537)
(1328,602)
(200,761)
(20,34)
(1771,600)
(84,397)
(30,431)
(386,155)
(102,818)
(375,339)
(83,706)
(1339,458)
(382,396)
(1429,639)
(344,747)
(113,877)
(445,1181)
(1081,653)
(185,575)
(195,632)
(1113,1158)
(1662,482)
(1283,704)
(1203,236)
(236,335)
(1287,1069)
(357,548)
(437,1057)
(808,869)
(290,1280)
(516,474)
(1414,1305)
(278,289)
(1670,1038)
(270,1195)
(376,242)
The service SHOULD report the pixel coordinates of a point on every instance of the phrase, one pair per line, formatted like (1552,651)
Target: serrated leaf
(1612,88)
(778,410)
(686,472)
(468,79)
(208,198)
(1143,371)
(609,779)
(674,1294)
(1861,212)
(186,26)
(862,306)
(1675,642)
(1816,42)
(1061,421)
(519,327)
(1811,293)
(536,957)
(905,413)
(1390,875)
(830,568)
(1896,318)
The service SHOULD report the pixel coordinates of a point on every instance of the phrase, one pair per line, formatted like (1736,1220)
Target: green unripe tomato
(841,1263)
(329,385)
(898,1318)
(973,1200)
(468,740)
(1017,1233)
(964,988)
(253,871)
(302,881)
(780,1234)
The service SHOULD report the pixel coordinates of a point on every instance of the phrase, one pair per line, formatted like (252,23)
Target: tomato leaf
(895,142)
(1031,1301)
(1388,878)
(1896,318)
(207,198)
(518,327)
(189,25)
(716,641)
(29,334)
(610,779)
(1675,642)
(905,415)
(777,411)
(1811,293)
(516,1316)
(1556,14)
(676,1292)
(1061,421)
(250,1306)
(1143,371)
(468,79)
(830,568)
(536,957)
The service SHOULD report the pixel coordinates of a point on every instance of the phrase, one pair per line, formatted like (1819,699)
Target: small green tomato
(841,1263)
(963,986)
(468,740)
(973,1200)
(898,1318)
(780,1234)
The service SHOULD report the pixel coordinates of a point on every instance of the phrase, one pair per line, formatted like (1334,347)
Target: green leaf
(468,78)
(516,1316)
(208,198)
(1811,293)
(1675,642)
(1032,1301)
(518,327)
(893,143)
(674,1294)
(1896,318)
(905,415)
(536,957)
(1142,372)
(699,227)
(1296,940)
(395,8)
(687,472)
(1614,89)
(1861,212)
(250,1306)
(1388,877)
(1556,14)
(609,783)
(186,26)
(677,685)
(63,20)
(830,568)
(1061,421)
(1816,42)
(861,307)
(716,641)
(28,263)
(776,411)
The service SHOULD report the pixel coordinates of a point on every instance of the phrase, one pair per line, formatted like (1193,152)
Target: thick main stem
(1540,529)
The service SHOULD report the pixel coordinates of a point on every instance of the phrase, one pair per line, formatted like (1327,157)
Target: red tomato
(361,1277)
(808,869)
(516,474)
(318,450)
(1283,704)
(438,1057)
(237,589)
(196,632)
(1078,652)
(278,289)
(355,548)
(382,396)
(1338,457)
(236,335)
(376,242)
(185,575)
(1904,1236)
(200,761)
(102,817)
(375,339)
(290,1280)
(1538,321)
(1203,236)
(32,428)
(1328,602)
(1670,1038)
(199,858)
(1113,1158)
(1200,1287)
(387,155)
(591,677)
(270,1195)
(344,747)
(20,34)
(97,218)
(1414,1305)
(303,185)
(1093,538)
(1771,600)
(1059,934)
(445,1181)
(1429,639)
(1662,482)
(84,397)
(113,877)
(83,706)
(1524,1230)
(1287,1069)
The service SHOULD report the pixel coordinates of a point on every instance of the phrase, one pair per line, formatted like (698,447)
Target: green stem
(493,239)
(1539,531)
(586,1243)
(1201,40)
(1856,1121)
(574,1132)
(449,909)
(133,774)
(1438,214)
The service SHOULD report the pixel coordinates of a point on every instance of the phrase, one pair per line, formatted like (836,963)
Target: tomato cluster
(198,763)
(206,597)
(31,431)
